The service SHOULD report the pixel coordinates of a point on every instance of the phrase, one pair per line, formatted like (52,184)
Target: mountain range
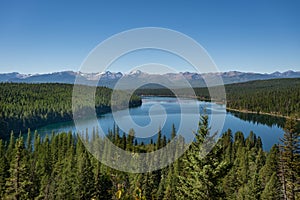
(134,78)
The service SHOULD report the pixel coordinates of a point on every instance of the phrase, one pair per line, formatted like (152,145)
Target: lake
(163,112)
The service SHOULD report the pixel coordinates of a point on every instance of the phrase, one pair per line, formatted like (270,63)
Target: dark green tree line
(60,167)
(24,106)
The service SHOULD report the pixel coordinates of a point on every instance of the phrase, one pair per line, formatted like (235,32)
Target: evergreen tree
(270,166)
(289,160)
(243,192)
(230,184)
(103,185)
(28,143)
(124,141)
(201,177)
(85,176)
(130,140)
(242,165)
(227,145)
(162,186)
(159,139)
(65,180)
(255,188)
(18,184)
(64,170)
(11,147)
(260,160)
(3,169)
(44,168)
(272,189)
(146,186)
(170,184)
(173,132)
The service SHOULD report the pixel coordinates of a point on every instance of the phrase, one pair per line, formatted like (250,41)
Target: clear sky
(46,36)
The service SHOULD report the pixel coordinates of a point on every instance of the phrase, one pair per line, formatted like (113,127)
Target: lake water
(162,112)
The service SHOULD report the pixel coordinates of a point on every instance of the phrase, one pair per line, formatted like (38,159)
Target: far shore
(227,108)
(259,113)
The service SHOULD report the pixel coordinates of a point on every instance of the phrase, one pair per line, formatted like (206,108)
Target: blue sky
(47,36)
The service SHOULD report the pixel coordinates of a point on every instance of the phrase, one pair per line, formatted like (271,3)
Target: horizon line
(112,71)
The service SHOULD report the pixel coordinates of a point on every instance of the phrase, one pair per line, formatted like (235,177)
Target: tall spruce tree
(3,169)
(289,160)
(271,165)
(85,177)
(272,188)
(103,185)
(18,184)
(201,176)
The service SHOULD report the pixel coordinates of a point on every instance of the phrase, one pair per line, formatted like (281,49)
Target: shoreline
(259,113)
(99,111)
(227,108)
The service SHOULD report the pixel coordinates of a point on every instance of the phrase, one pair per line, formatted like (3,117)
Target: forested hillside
(24,106)
(276,96)
(236,168)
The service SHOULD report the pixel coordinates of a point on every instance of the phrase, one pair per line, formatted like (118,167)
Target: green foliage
(275,96)
(3,168)
(272,189)
(201,174)
(59,167)
(24,106)
(289,163)
(18,185)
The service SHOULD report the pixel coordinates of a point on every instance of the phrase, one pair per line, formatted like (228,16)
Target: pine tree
(64,170)
(227,145)
(200,177)
(162,186)
(270,166)
(28,143)
(242,165)
(159,139)
(85,177)
(44,168)
(260,160)
(251,140)
(255,188)
(3,169)
(230,184)
(130,140)
(164,141)
(146,186)
(289,160)
(103,185)
(243,192)
(11,147)
(18,184)
(65,179)
(32,163)
(272,188)
(173,132)
(170,184)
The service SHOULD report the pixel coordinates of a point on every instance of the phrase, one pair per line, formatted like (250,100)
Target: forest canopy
(60,167)
(24,106)
(275,96)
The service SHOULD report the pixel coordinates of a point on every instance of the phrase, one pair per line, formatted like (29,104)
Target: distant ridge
(109,79)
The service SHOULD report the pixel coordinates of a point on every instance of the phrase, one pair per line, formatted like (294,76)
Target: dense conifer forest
(278,96)
(60,167)
(275,96)
(24,106)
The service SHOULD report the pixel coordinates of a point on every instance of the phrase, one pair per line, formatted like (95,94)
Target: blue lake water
(162,112)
